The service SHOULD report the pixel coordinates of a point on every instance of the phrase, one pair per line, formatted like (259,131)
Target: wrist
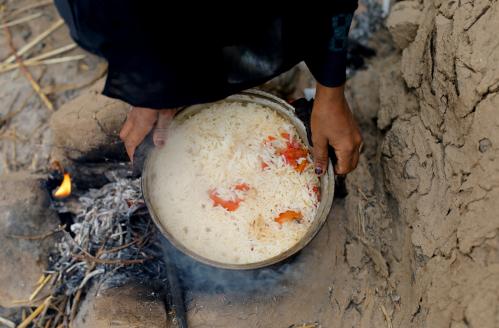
(330,99)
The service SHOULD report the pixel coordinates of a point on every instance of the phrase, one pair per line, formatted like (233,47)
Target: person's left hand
(140,121)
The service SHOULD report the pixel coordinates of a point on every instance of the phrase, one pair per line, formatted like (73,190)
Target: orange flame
(64,190)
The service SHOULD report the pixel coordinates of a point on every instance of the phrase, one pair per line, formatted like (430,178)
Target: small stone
(484,145)
(87,128)
(131,305)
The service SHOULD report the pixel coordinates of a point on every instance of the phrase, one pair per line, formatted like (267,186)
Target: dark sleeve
(152,62)
(326,57)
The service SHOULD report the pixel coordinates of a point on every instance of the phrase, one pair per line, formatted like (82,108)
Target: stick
(54,52)
(7,323)
(51,61)
(60,60)
(57,51)
(51,53)
(91,258)
(21,20)
(37,237)
(39,288)
(26,72)
(28,7)
(387,317)
(33,42)
(47,324)
(35,313)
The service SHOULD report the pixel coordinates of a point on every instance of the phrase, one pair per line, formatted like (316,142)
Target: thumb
(320,155)
(161,130)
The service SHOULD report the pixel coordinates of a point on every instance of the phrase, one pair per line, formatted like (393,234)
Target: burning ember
(64,190)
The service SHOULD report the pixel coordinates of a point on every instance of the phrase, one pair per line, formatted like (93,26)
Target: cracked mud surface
(417,237)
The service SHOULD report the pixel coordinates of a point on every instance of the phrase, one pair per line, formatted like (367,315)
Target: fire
(64,190)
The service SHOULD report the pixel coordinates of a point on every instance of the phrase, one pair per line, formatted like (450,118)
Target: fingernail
(318,170)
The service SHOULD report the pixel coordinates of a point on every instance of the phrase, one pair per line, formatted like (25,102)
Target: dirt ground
(25,139)
(415,243)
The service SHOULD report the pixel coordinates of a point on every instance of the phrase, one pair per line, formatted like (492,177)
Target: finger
(134,138)
(320,155)
(127,127)
(344,162)
(161,130)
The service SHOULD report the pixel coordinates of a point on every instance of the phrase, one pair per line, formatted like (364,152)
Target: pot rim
(326,182)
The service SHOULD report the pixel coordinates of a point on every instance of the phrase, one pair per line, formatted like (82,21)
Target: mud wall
(424,203)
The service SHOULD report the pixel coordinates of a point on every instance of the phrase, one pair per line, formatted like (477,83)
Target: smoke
(198,277)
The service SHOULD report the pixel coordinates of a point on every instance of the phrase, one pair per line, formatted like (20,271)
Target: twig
(362,194)
(7,323)
(119,248)
(74,307)
(90,276)
(21,20)
(26,72)
(36,61)
(35,313)
(54,52)
(40,280)
(90,258)
(387,317)
(139,242)
(47,324)
(41,318)
(58,60)
(59,312)
(51,61)
(28,7)
(42,236)
(33,42)
(39,288)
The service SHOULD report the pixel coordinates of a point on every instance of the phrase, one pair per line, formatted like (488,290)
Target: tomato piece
(285,135)
(301,167)
(229,205)
(288,216)
(242,187)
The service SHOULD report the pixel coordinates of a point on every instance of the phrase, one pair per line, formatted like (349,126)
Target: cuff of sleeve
(329,71)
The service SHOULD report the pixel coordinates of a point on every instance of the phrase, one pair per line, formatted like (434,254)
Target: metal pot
(286,111)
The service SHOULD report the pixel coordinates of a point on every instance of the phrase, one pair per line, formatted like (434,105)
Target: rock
(403,22)
(87,128)
(132,305)
(24,211)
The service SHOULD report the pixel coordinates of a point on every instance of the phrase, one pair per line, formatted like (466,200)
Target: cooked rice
(220,151)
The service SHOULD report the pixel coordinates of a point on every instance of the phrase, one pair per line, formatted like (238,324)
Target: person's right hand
(333,123)
(140,121)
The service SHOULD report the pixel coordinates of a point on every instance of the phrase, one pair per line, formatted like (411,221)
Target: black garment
(164,57)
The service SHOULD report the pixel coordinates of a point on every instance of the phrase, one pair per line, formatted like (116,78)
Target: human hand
(332,123)
(140,121)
